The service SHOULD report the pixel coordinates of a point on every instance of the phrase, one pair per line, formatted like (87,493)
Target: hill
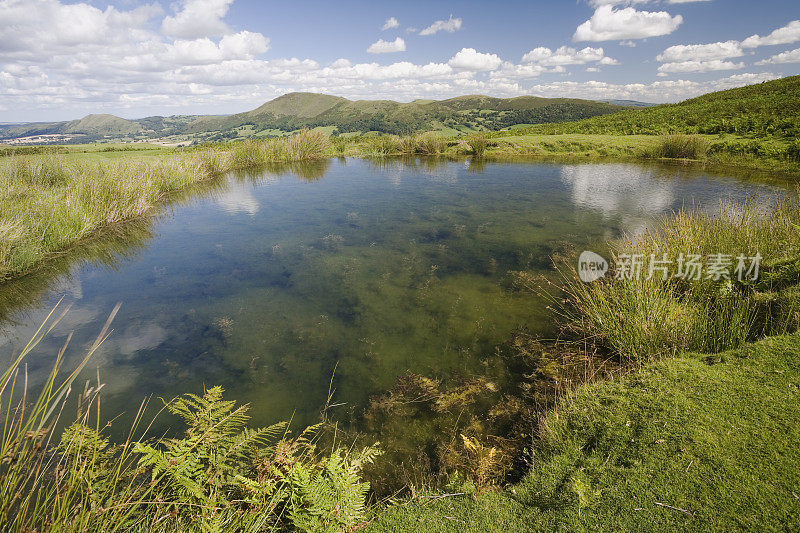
(476,112)
(101,125)
(768,108)
(91,125)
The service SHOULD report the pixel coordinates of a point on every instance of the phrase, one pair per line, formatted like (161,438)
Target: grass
(686,443)
(638,319)
(51,201)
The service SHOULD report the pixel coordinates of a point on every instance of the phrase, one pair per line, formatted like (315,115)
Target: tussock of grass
(477,144)
(639,319)
(682,147)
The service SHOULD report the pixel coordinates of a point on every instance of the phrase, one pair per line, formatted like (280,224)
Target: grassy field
(692,443)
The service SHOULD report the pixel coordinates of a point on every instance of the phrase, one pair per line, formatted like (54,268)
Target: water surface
(273,284)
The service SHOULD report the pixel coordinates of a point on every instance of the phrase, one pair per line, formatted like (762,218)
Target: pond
(339,275)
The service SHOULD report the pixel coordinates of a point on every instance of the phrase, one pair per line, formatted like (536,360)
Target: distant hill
(628,103)
(91,125)
(768,108)
(476,112)
(101,125)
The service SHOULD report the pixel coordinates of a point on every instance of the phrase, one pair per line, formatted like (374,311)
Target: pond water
(345,272)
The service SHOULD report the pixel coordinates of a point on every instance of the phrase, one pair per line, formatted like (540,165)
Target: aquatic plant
(220,473)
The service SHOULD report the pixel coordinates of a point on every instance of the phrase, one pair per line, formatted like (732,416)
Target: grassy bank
(52,200)
(687,443)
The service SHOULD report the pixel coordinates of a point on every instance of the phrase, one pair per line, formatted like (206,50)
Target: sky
(61,60)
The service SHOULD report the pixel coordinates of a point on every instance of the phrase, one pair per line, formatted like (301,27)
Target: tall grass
(50,201)
(220,475)
(477,143)
(682,147)
(639,319)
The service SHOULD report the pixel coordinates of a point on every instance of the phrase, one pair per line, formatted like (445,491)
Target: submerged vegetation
(219,475)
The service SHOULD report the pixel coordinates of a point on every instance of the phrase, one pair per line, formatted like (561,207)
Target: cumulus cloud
(609,24)
(386,47)
(701,52)
(658,91)
(198,18)
(699,66)
(567,56)
(785,35)
(471,59)
(597,3)
(792,56)
(390,23)
(450,25)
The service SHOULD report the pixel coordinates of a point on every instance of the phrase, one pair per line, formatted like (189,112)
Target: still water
(347,272)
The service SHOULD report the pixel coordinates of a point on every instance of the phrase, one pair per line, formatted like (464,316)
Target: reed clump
(478,143)
(639,319)
(682,147)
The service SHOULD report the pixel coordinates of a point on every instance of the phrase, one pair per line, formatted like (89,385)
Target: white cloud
(609,24)
(699,66)
(658,91)
(597,3)
(450,25)
(566,56)
(472,60)
(390,23)
(385,47)
(785,35)
(39,29)
(701,52)
(792,56)
(198,18)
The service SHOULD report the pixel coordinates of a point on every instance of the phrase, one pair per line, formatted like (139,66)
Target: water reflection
(637,194)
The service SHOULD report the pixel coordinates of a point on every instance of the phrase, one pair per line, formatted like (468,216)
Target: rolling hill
(475,112)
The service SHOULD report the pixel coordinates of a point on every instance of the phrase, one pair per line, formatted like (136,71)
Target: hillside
(769,108)
(476,112)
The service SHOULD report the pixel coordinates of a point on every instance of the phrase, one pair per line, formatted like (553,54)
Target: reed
(639,319)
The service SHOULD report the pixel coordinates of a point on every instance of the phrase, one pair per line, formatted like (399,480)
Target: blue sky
(61,60)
